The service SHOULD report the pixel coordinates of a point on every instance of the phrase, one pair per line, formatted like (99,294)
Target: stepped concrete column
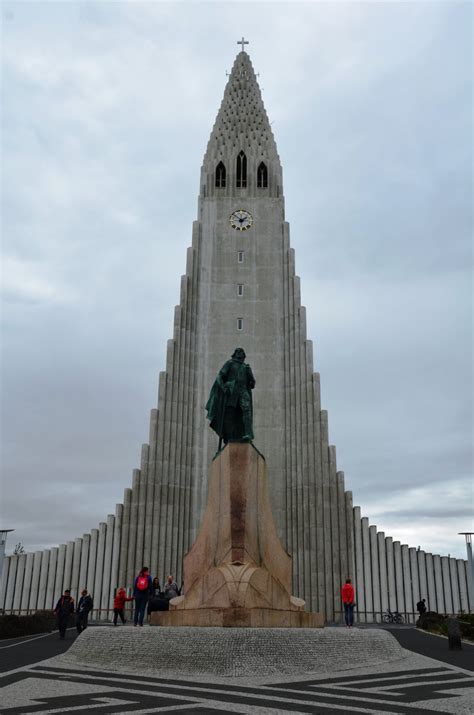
(85,547)
(33,600)
(91,566)
(127,500)
(369,602)
(25,594)
(3,588)
(421,556)
(116,549)
(59,584)
(68,565)
(109,539)
(374,562)
(20,574)
(99,570)
(76,563)
(407,579)
(397,560)
(432,601)
(439,584)
(359,565)
(50,583)
(461,566)
(453,577)
(448,598)
(415,579)
(43,581)
(132,529)
(10,588)
(391,585)
(382,553)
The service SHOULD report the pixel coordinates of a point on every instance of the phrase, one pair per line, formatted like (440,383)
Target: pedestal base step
(237,618)
(231,652)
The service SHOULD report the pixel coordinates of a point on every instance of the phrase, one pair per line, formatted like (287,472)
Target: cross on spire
(242,42)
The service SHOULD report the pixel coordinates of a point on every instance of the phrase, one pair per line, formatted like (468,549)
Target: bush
(437,623)
(12,626)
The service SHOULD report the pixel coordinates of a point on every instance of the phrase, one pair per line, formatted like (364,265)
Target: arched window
(241,171)
(220,175)
(262,176)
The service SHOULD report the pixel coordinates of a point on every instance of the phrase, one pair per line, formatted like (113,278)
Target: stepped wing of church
(240,289)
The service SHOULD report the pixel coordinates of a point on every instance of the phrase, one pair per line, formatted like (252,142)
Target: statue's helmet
(239,354)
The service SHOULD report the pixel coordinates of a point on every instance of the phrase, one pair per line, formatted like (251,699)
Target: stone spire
(242,125)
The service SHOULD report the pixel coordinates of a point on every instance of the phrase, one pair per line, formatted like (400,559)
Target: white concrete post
(463,585)
(43,580)
(448,598)
(391,585)
(3,588)
(20,574)
(49,602)
(10,590)
(33,600)
(91,566)
(382,549)
(116,548)
(415,579)
(422,576)
(407,581)
(106,593)
(432,601)
(85,547)
(76,564)
(439,584)
(453,573)
(397,559)
(68,565)
(26,591)
(369,603)
(99,571)
(359,566)
(374,560)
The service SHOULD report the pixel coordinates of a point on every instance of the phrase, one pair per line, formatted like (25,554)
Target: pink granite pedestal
(237,573)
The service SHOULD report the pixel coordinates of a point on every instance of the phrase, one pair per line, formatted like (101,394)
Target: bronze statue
(229,408)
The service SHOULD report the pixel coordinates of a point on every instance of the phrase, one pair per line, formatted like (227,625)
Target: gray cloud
(107,112)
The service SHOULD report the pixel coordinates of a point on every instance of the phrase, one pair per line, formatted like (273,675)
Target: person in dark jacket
(421,606)
(347,593)
(63,609)
(142,588)
(171,589)
(156,597)
(119,605)
(84,607)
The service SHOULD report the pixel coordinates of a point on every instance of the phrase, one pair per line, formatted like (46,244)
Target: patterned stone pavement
(409,684)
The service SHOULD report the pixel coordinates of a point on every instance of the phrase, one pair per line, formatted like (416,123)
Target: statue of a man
(229,408)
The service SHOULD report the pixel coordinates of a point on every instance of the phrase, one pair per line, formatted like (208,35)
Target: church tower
(240,290)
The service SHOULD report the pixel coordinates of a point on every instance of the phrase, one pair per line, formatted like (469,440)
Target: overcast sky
(107,110)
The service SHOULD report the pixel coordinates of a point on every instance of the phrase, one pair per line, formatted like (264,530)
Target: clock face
(241,220)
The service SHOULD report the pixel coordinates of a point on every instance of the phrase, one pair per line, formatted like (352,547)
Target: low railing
(97,614)
(368,617)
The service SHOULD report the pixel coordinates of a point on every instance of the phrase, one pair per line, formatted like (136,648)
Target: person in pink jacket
(347,593)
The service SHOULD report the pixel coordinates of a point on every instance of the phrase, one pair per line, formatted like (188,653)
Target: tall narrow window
(262,176)
(241,171)
(240,256)
(240,290)
(220,175)
(240,323)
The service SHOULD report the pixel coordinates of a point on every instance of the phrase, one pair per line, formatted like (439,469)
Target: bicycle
(390,617)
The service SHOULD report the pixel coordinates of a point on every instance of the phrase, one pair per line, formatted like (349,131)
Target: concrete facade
(157,524)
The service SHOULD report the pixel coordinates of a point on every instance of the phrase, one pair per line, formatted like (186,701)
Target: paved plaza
(409,683)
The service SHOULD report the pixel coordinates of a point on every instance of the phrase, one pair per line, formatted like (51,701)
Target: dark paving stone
(434,647)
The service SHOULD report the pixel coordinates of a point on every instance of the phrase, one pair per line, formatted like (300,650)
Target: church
(240,289)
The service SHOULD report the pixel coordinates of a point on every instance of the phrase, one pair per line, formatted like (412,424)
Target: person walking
(347,593)
(421,607)
(119,605)
(142,588)
(84,607)
(63,609)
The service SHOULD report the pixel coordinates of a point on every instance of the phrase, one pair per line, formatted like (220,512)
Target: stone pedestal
(237,573)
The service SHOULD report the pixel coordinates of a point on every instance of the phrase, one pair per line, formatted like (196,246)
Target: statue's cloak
(220,399)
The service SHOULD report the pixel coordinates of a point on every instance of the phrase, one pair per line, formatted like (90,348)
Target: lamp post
(3,541)
(470,569)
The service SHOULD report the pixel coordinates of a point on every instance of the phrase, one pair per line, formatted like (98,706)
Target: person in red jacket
(347,593)
(119,604)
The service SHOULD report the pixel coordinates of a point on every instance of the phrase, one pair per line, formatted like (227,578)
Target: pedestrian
(347,593)
(155,596)
(84,607)
(119,605)
(421,607)
(171,589)
(141,593)
(63,609)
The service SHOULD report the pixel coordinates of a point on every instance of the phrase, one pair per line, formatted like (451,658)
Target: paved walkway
(415,684)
